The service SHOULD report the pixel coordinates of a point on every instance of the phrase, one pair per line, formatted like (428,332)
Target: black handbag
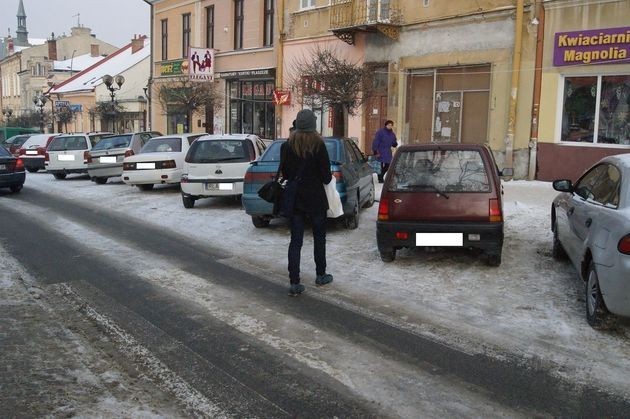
(271,191)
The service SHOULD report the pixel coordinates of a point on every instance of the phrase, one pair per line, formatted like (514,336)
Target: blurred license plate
(108,159)
(219,186)
(65,157)
(3,167)
(145,165)
(31,151)
(439,239)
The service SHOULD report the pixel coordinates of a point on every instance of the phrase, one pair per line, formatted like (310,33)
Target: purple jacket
(382,145)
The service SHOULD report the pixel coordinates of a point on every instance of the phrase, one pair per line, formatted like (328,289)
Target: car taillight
(129,166)
(87,158)
(338,176)
(383,209)
(19,165)
(624,245)
(41,151)
(129,153)
(169,164)
(46,156)
(402,235)
(494,211)
(21,151)
(249,177)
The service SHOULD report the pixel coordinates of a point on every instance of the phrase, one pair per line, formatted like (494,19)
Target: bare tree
(188,96)
(108,111)
(321,79)
(64,115)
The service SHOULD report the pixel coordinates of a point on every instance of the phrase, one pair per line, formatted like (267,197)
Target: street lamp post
(109,83)
(40,101)
(7,112)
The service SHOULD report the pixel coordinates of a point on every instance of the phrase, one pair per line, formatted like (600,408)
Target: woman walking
(384,140)
(304,159)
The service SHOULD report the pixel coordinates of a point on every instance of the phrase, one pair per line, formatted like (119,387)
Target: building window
(268,36)
(185,34)
(238,24)
(305,4)
(596,109)
(251,107)
(425,3)
(164,39)
(210,26)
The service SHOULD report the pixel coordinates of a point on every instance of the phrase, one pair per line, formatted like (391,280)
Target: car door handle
(588,222)
(570,211)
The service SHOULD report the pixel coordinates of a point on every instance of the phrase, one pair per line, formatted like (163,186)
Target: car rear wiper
(432,187)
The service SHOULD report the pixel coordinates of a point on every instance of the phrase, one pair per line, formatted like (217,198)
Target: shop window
(596,109)
(177,120)
(251,108)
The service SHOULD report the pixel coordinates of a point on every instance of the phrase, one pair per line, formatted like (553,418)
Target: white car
(216,164)
(160,161)
(69,153)
(590,221)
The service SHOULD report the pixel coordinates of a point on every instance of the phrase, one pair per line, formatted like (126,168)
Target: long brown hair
(305,143)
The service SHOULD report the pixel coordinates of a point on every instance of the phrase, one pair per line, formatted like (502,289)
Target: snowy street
(530,309)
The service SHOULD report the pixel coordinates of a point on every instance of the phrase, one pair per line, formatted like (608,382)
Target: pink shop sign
(596,46)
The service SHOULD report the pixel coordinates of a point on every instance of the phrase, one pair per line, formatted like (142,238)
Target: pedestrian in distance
(304,159)
(384,140)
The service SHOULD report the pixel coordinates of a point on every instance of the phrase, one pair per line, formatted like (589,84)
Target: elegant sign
(597,46)
(201,64)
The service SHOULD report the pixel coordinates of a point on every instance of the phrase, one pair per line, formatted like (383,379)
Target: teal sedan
(350,167)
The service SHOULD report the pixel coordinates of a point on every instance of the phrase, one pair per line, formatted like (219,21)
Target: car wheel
(16,188)
(260,221)
(493,259)
(351,221)
(388,255)
(557,250)
(59,176)
(597,314)
(372,197)
(100,180)
(32,169)
(146,187)
(188,201)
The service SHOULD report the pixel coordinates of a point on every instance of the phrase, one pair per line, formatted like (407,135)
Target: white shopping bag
(335,208)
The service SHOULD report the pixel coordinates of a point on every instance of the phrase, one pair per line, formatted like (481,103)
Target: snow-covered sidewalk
(531,306)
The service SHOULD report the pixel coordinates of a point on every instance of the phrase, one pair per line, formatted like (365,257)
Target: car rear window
(159,145)
(117,141)
(215,151)
(77,142)
(273,151)
(441,170)
(4,152)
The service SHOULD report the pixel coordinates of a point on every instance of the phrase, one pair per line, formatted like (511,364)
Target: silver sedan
(590,221)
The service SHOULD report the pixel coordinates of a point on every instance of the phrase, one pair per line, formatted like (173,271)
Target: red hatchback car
(442,195)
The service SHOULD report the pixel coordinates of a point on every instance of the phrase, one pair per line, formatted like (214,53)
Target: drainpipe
(516,69)
(149,125)
(533,137)
(280,65)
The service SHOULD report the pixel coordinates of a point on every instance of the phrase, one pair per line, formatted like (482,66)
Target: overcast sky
(113,21)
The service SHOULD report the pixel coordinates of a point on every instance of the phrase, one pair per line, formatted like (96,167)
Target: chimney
(94,50)
(137,43)
(52,48)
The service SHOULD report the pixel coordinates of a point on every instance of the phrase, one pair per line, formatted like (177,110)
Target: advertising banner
(201,64)
(597,46)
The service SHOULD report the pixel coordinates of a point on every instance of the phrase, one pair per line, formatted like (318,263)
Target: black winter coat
(311,197)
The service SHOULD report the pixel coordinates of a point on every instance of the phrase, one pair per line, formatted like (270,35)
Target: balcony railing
(350,16)
(355,13)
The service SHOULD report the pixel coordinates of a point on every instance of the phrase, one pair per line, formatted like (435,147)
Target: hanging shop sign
(201,64)
(247,74)
(281,97)
(597,46)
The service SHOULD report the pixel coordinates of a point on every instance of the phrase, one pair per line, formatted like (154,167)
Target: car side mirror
(563,185)
(506,172)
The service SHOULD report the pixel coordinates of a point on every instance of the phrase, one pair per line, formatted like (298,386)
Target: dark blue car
(12,173)
(349,166)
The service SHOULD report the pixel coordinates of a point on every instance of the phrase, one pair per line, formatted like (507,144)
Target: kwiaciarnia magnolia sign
(597,46)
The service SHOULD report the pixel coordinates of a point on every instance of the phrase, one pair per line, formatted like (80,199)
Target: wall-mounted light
(225,29)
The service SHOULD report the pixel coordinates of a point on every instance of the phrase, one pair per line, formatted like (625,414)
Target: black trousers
(318,221)
(384,167)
